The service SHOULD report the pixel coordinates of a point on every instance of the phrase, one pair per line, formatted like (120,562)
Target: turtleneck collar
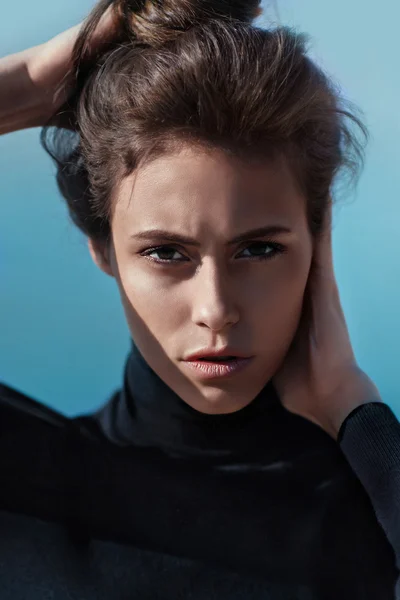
(147,412)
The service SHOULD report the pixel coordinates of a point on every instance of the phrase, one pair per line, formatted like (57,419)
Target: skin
(319,377)
(36,82)
(214,294)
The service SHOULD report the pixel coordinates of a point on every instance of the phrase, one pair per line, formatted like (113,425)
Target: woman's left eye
(273,249)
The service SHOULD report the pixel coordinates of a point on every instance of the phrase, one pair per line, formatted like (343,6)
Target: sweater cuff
(370,439)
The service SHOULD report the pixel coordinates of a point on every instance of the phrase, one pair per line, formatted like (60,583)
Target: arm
(35,82)
(369,437)
(21,103)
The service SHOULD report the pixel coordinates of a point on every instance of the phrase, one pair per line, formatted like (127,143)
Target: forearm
(22,103)
(34,83)
(370,440)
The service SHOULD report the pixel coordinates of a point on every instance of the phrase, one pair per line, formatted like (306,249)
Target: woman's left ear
(101,256)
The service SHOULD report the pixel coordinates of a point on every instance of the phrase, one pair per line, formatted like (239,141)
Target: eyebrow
(163,235)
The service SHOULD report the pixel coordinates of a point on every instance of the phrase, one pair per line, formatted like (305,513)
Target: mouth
(216,358)
(212,367)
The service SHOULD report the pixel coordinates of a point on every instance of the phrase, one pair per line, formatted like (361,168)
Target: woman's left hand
(319,378)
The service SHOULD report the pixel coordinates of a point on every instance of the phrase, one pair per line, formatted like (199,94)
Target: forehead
(198,189)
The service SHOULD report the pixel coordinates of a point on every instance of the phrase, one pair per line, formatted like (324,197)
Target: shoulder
(19,411)
(21,415)
(37,443)
(44,457)
(32,435)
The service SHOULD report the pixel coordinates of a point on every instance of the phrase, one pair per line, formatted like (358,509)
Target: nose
(215,303)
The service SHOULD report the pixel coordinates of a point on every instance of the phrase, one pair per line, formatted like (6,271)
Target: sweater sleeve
(369,438)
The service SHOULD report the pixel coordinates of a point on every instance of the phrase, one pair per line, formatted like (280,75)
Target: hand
(319,378)
(50,65)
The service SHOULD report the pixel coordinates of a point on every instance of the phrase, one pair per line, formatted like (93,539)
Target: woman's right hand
(36,82)
(50,65)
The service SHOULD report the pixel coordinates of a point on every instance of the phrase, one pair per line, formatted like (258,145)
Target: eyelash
(277,250)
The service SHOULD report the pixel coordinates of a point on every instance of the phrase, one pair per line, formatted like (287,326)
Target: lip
(205,353)
(218,369)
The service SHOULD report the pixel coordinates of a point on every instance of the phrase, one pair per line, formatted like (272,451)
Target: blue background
(63,337)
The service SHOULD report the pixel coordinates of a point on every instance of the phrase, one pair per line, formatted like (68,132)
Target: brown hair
(198,72)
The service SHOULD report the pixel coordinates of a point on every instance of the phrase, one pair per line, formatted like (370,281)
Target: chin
(217,402)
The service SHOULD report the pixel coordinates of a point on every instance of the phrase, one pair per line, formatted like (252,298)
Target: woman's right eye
(166,250)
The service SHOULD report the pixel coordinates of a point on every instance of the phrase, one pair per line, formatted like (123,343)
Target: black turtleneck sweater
(150,499)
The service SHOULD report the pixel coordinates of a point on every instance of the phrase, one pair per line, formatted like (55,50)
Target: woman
(247,455)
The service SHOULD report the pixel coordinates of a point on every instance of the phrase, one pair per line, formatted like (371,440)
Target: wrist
(355,389)
(50,69)
(42,95)
(20,101)
(348,406)
(337,420)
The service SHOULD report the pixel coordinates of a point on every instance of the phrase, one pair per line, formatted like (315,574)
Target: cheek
(278,316)
(287,317)
(280,293)
(280,313)
(148,304)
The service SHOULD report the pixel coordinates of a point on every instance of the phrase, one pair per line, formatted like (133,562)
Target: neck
(147,412)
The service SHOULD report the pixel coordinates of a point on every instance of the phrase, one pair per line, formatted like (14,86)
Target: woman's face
(209,291)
